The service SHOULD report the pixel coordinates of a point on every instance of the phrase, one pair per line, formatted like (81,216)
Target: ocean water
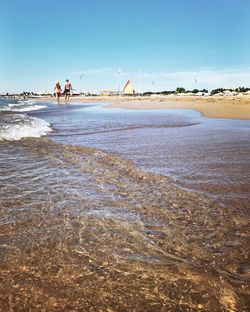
(15,123)
(122,210)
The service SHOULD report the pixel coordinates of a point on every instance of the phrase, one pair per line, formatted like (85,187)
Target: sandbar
(231,107)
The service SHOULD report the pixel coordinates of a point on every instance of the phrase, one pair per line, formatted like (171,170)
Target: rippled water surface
(126,211)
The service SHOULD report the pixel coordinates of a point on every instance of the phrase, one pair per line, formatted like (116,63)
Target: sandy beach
(233,107)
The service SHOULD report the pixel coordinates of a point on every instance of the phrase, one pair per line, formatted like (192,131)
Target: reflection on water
(85,230)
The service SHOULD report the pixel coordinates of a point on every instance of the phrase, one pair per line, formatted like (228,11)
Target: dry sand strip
(234,107)
(214,107)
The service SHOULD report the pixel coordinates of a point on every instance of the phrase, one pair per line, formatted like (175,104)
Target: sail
(128,88)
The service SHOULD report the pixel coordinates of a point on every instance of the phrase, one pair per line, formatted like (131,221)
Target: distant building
(108,93)
(128,89)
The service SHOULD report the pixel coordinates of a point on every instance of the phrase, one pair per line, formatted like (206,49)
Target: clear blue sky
(172,41)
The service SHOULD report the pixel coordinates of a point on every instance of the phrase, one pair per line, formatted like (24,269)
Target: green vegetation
(216,91)
(180,90)
(242,89)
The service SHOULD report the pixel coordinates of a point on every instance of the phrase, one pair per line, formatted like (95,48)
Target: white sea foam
(18,126)
(21,107)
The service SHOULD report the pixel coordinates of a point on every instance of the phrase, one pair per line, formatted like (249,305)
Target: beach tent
(128,88)
(227,93)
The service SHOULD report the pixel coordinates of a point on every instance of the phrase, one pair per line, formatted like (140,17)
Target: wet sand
(233,107)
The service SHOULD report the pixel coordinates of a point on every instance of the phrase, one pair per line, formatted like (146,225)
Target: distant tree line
(24,94)
(221,90)
(177,91)
(180,90)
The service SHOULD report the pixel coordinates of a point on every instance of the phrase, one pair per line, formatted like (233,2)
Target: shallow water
(202,154)
(86,230)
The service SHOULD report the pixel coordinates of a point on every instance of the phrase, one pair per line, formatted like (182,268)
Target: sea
(107,209)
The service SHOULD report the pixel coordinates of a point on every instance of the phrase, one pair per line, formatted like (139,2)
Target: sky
(173,43)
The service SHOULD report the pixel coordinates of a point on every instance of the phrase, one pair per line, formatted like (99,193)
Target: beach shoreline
(233,107)
(122,210)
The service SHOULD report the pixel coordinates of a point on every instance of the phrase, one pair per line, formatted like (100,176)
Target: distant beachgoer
(67,89)
(58,91)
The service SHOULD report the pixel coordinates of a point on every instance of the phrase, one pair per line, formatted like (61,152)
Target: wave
(81,132)
(17,126)
(21,106)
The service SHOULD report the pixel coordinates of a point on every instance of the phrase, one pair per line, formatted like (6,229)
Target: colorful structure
(128,89)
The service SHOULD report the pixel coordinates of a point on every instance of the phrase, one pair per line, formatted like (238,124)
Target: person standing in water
(57,91)
(67,89)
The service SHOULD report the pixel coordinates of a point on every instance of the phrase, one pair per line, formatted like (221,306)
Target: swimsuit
(58,90)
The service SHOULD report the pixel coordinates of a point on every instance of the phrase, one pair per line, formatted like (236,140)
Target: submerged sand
(84,230)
